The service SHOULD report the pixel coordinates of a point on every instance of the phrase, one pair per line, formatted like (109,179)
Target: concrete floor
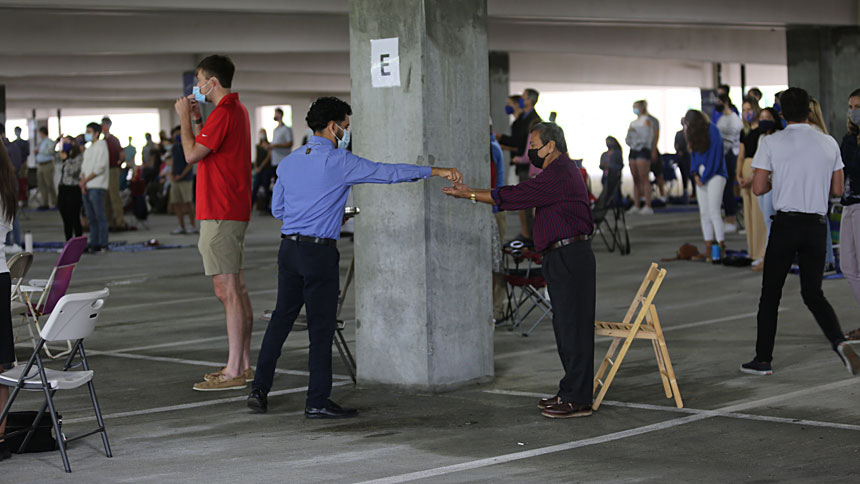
(162,329)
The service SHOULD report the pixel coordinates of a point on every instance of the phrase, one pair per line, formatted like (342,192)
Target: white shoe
(730,228)
(646,211)
(635,210)
(757,262)
(178,231)
(13,249)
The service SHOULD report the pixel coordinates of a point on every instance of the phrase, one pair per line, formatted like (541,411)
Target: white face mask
(342,143)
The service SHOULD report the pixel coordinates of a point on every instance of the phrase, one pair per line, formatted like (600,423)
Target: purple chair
(52,289)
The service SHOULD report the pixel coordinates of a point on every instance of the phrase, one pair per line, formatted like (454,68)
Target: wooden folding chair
(645,326)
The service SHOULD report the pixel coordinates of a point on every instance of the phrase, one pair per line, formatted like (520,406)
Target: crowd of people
(780,160)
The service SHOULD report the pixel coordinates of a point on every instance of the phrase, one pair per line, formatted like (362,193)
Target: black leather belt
(812,217)
(572,240)
(310,240)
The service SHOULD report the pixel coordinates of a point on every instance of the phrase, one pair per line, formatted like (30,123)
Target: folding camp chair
(609,218)
(528,281)
(73,318)
(645,326)
(52,289)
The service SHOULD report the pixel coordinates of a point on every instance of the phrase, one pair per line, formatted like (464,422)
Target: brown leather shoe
(546,402)
(567,410)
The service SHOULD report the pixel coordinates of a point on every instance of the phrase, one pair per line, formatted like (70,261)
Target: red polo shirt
(224,175)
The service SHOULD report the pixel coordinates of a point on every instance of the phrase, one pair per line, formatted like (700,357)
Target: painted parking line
(181,361)
(185,300)
(188,406)
(666,329)
(724,412)
(501,459)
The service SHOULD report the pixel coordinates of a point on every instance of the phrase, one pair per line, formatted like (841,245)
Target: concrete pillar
(423,280)
(823,60)
(500,87)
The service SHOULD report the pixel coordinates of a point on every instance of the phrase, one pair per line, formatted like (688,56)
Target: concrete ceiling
(63,54)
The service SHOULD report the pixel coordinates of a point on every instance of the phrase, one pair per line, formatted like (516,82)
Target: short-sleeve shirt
(750,142)
(130,153)
(802,161)
(179,162)
(282,134)
(224,175)
(114,148)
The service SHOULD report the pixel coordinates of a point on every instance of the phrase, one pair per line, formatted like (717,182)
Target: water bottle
(715,254)
(28,242)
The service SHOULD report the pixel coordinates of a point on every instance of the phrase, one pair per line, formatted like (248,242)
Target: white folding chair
(74,318)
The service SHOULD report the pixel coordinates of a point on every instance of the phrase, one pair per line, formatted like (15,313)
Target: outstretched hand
(459,190)
(450,174)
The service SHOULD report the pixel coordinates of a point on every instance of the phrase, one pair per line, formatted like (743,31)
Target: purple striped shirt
(561,200)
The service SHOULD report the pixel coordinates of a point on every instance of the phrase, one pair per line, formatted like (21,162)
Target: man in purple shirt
(562,230)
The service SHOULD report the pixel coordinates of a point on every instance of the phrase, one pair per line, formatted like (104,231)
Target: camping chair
(529,281)
(645,326)
(339,339)
(608,215)
(52,289)
(74,318)
(670,174)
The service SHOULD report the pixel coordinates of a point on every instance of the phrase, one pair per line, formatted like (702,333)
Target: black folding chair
(74,318)
(608,215)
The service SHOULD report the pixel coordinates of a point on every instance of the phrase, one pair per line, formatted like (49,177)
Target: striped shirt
(561,198)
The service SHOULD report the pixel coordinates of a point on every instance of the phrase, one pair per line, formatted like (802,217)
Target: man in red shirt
(223,148)
(116,157)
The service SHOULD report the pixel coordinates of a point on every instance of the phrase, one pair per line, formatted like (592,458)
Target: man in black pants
(806,167)
(309,198)
(563,227)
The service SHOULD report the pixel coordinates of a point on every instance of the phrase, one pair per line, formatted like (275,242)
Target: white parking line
(210,297)
(666,329)
(187,406)
(212,364)
(723,412)
(705,414)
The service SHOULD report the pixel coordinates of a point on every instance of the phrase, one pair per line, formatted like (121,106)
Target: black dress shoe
(331,410)
(258,402)
(4,451)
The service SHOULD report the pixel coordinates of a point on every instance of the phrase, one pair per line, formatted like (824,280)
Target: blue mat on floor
(121,246)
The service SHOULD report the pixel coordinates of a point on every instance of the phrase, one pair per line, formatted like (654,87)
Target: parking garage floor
(162,329)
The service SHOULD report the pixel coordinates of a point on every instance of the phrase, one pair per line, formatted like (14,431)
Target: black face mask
(721,108)
(766,125)
(536,159)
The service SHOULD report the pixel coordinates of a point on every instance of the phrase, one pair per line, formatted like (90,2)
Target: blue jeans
(94,204)
(15,235)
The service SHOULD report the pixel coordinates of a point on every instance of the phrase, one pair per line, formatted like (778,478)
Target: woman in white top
(730,126)
(8,205)
(640,139)
(94,185)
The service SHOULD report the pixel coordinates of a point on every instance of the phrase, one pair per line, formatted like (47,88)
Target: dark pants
(308,274)
(263,179)
(69,201)
(730,203)
(686,178)
(570,276)
(790,235)
(7,341)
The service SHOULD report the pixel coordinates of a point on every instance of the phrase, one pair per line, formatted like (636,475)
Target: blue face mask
(777,107)
(342,143)
(636,111)
(88,137)
(199,96)
(509,109)
(522,103)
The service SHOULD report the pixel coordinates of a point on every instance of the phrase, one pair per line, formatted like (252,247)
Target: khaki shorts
(181,192)
(222,244)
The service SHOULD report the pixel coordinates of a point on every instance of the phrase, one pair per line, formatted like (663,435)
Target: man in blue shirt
(309,198)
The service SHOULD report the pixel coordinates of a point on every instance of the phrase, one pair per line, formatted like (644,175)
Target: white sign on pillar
(384,62)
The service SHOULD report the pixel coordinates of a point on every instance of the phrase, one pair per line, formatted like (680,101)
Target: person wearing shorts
(222,147)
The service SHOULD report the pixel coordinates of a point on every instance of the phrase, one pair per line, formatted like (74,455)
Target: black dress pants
(69,202)
(570,273)
(308,275)
(802,235)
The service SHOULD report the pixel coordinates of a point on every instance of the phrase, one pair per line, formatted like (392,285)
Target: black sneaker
(849,356)
(756,367)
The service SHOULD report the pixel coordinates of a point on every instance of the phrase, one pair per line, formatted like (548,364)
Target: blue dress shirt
(314,180)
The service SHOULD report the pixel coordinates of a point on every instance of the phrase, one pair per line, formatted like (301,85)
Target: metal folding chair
(529,282)
(51,290)
(608,214)
(19,265)
(73,318)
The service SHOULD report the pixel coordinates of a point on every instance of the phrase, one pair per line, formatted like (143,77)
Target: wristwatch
(473,198)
